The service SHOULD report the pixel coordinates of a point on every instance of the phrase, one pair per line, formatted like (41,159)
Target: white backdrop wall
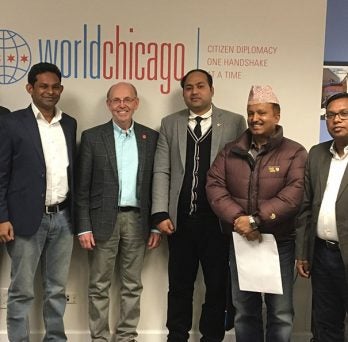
(151,44)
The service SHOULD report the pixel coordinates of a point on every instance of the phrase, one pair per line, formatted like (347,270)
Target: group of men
(204,176)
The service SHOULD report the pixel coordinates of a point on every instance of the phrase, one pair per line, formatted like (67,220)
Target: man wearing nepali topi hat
(255,186)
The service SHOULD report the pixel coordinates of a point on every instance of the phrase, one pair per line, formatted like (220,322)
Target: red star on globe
(24,58)
(11,58)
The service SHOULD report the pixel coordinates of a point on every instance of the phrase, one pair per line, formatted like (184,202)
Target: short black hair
(40,68)
(206,73)
(336,97)
(276,107)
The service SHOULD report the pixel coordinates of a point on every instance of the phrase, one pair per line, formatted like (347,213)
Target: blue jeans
(248,319)
(330,293)
(52,245)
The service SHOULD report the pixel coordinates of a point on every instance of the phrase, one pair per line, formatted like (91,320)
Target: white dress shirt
(326,227)
(205,123)
(56,156)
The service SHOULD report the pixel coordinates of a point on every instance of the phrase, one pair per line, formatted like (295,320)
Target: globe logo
(15,57)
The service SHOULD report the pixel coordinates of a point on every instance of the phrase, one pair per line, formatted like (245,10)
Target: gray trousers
(127,246)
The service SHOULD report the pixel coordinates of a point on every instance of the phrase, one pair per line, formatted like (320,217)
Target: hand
(302,267)
(87,241)
(166,227)
(6,232)
(242,225)
(254,235)
(154,240)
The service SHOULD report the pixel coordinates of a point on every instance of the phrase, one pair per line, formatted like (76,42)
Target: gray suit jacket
(169,168)
(97,179)
(316,174)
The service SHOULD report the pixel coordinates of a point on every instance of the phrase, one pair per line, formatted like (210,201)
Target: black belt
(329,244)
(56,208)
(128,208)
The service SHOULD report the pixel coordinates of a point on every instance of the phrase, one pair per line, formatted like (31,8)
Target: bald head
(122,84)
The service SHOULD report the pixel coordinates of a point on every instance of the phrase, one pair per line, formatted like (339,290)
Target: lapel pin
(144,136)
(219,124)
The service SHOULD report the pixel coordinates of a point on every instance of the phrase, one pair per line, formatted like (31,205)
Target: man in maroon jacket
(255,186)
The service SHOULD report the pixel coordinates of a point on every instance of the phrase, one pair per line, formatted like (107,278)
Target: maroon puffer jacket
(269,188)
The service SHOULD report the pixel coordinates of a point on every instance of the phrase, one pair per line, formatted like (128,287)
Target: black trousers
(330,293)
(197,240)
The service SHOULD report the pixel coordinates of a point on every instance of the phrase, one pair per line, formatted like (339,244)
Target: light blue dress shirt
(127,165)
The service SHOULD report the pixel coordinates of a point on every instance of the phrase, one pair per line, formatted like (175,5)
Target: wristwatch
(252,222)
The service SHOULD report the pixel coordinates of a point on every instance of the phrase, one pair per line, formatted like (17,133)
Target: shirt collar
(254,146)
(119,130)
(38,115)
(335,154)
(206,115)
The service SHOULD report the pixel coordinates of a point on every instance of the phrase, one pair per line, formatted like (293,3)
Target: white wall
(295,32)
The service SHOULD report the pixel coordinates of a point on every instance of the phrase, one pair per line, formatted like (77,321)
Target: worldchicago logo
(91,56)
(124,57)
(15,57)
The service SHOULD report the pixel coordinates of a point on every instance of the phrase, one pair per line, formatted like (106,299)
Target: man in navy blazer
(36,181)
(113,200)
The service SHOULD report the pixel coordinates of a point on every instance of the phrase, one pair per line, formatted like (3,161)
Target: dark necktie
(197,130)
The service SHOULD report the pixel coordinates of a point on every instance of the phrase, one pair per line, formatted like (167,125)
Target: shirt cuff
(155,230)
(83,233)
(159,217)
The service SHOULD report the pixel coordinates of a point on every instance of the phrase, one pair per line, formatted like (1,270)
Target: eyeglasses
(126,101)
(343,115)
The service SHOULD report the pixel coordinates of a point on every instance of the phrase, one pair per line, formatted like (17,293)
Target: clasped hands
(243,228)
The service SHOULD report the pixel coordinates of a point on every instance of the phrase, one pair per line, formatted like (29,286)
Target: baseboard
(147,336)
(36,336)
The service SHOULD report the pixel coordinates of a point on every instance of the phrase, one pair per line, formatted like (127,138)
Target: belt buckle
(54,211)
(331,244)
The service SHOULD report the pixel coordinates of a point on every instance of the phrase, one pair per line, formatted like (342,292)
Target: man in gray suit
(113,210)
(188,143)
(322,232)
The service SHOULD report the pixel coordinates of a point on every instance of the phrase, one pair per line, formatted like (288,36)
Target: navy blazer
(23,169)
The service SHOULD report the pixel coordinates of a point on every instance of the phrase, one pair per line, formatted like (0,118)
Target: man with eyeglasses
(322,229)
(113,210)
